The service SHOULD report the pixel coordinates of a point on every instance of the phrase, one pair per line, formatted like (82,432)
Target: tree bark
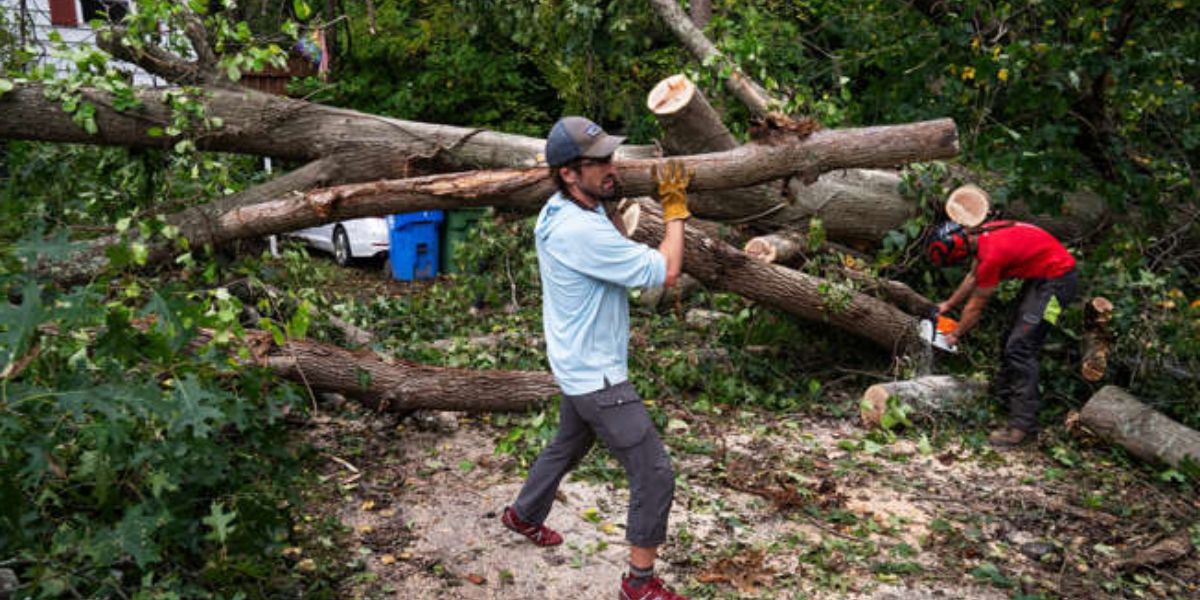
(1118,417)
(398,386)
(720,266)
(926,397)
(701,12)
(1097,339)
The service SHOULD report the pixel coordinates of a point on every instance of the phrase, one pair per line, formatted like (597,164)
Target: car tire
(341,247)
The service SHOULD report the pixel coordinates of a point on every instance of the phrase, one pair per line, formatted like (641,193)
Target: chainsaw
(934,328)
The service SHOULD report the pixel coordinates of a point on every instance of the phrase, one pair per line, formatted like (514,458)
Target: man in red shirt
(1009,250)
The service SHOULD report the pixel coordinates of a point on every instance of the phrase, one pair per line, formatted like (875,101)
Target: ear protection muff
(948,245)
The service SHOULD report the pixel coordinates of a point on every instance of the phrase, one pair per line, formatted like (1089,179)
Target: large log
(1097,339)
(720,266)
(1118,417)
(397,386)
(925,397)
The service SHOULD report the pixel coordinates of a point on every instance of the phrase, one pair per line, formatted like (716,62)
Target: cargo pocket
(623,418)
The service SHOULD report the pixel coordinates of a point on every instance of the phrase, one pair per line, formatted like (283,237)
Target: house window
(62,13)
(105,10)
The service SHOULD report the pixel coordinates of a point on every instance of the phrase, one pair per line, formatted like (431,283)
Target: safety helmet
(948,245)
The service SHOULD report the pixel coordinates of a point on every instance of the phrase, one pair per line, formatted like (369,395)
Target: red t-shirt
(1015,250)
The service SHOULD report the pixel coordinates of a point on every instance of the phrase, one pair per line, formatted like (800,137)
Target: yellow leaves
(387,559)
(968,73)
(368,504)
(1095,36)
(975,43)
(1002,75)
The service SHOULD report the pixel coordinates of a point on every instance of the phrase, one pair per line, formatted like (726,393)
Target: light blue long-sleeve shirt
(586,266)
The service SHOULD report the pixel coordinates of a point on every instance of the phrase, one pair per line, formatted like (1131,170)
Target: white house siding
(37,12)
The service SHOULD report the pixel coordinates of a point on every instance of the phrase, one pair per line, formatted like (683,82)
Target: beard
(606,192)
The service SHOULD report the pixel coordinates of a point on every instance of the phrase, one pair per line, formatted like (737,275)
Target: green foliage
(128,458)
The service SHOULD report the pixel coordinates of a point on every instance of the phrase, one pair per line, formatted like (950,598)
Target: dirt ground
(767,505)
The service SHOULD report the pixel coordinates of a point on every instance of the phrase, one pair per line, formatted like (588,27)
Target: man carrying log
(1009,250)
(586,266)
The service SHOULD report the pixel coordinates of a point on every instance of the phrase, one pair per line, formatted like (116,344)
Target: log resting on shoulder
(720,266)
(1118,417)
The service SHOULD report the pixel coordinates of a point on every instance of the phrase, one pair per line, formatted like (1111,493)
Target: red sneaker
(538,534)
(651,590)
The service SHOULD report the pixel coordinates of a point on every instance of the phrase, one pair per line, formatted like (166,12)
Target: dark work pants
(617,416)
(1017,383)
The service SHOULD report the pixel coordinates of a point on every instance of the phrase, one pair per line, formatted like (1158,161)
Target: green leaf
(19,323)
(6,85)
(195,408)
(923,445)
(219,523)
(302,9)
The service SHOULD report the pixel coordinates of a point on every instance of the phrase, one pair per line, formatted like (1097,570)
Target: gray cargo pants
(615,414)
(1018,380)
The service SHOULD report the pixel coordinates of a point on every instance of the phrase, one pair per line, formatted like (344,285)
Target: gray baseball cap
(577,137)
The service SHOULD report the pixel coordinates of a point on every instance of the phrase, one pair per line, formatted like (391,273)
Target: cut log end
(760,249)
(873,405)
(630,211)
(670,95)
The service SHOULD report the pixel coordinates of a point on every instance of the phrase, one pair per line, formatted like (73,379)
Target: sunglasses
(607,160)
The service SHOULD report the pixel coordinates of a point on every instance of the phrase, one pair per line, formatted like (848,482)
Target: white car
(348,240)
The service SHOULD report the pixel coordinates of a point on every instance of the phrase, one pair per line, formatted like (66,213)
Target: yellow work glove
(672,188)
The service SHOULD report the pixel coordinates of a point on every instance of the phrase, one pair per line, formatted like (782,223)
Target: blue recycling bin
(413,244)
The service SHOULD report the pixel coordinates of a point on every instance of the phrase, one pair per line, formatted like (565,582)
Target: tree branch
(750,93)
(152,58)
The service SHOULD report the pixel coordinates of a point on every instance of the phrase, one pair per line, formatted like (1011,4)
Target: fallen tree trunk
(787,248)
(398,386)
(1118,417)
(1097,339)
(926,397)
(720,266)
